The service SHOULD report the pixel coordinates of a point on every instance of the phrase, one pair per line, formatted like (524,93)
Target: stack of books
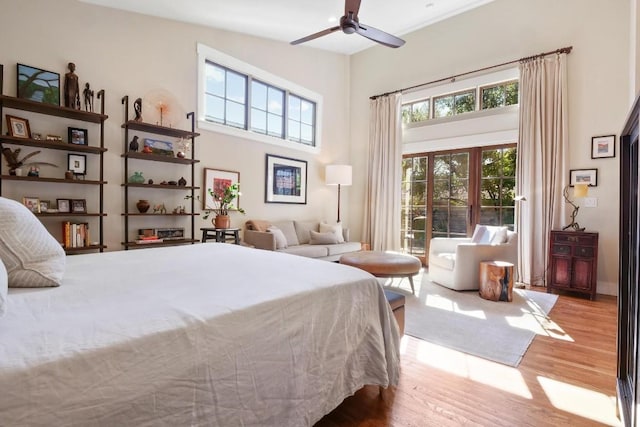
(146,239)
(75,235)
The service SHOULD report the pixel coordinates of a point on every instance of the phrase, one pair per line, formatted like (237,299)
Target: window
(416,111)
(457,103)
(239,99)
(498,186)
(499,95)
(414,208)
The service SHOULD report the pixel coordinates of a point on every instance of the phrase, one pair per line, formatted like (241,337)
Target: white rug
(498,331)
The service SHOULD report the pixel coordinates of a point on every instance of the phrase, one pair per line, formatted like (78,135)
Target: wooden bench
(396,301)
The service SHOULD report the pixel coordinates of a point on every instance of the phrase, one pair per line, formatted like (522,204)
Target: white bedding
(207,334)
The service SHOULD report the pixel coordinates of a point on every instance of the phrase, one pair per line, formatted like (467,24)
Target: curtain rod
(452,78)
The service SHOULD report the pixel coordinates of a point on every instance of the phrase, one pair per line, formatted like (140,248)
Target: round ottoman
(384,264)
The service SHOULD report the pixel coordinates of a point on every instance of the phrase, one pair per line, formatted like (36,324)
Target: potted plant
(223,203)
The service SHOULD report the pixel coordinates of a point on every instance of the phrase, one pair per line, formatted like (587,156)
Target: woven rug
(461,320)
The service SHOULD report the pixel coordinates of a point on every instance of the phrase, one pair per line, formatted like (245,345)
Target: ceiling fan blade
(352,6)
(379,36)
(316,35)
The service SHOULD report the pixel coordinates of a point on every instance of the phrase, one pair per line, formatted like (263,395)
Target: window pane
(490,216)
(465,102)
(236,87)
(490,192)
(509,158)
(443,107)
(508,191)
(508,218)
(407,167)
(235,114)
(419,191)
(420,168)
(441,166)
(215,79)
(441,192)
(458,221)
(294,130)
(306,134)
(460,165)
(420,111)
(440,222)
(258,95)
(417,244)
(258,121)
(274,125)
(214,109)
(511,97)
(276,99)
(406,113)
(294,107)
(307,112)
(492,97)
(492,163)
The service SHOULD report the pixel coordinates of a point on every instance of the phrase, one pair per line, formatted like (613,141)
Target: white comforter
(209,334)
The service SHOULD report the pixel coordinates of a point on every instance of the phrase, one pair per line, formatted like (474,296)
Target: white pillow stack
(32,257)
(333,228)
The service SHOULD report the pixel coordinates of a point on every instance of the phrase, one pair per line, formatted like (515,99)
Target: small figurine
(182,182)
(150,182)
(88,98)
(71,88)
(137,107)
(133,145)
(34,171)
(160,209)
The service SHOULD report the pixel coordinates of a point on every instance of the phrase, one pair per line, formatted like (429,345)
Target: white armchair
(455,262)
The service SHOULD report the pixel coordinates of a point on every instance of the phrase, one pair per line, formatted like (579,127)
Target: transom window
(458,103)
(499,95)
(238,97)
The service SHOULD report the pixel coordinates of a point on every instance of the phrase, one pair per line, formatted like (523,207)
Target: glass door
(450,201)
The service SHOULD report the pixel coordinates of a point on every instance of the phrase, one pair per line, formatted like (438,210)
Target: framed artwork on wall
(603,146)
(217,180)
(38,85)
(285,180)
(583,176)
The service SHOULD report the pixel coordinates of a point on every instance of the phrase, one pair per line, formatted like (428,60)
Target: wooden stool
(496,280)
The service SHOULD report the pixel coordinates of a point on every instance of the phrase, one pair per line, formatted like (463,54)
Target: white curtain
(382,202)
(542,161)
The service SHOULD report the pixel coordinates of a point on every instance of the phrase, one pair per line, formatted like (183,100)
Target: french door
(446,193)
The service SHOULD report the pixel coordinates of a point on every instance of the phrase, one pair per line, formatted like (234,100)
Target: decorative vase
(182,182)
(222,221)
(143,205)
(136,178)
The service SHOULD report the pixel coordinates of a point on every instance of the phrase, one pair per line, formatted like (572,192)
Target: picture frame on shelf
(32,203)
(583,176)
(18,127)
(78,136)
(603,146)
(77,163)
(217,180)
(45,205)
(38,85)
(170,233)
(64,205)
(285,180)
(155,146)
(78,206)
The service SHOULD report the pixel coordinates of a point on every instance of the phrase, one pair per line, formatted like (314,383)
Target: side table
(221,235)
(496,280)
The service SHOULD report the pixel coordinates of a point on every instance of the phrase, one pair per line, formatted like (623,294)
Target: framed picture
(154,146)
(218,180)
(78,136)
(286,180)
(78,206)
(44,206)
(77,163)
(38,85)
(64,205)
(603,146)
(32,203)
(170,233)
(583,176)
(18,126)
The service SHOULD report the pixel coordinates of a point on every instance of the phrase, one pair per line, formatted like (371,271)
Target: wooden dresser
(573,262)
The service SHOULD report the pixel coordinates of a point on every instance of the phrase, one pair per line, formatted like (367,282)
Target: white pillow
(281,241)
(489,234)
(328,238)
(4,284)
(500,236)
(32,257)
(336,229)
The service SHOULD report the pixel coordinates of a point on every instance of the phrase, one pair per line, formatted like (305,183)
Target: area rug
(461,320)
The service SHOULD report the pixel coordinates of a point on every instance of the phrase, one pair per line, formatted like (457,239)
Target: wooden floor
(566,378)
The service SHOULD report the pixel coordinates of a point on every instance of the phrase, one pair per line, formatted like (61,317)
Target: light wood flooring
(566,378)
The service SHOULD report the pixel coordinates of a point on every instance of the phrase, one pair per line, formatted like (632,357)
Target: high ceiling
(287,20)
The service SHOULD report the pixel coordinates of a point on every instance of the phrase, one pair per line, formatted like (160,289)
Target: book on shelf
(75,235)
(148,241)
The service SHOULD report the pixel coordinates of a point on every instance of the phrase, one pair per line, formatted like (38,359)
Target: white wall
(505,30)
(130,54)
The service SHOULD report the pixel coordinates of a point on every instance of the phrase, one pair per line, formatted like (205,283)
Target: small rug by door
(498,331)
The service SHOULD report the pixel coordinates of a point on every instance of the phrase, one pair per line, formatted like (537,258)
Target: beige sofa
(299,239)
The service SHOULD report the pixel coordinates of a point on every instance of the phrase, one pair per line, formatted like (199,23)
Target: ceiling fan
(350,24)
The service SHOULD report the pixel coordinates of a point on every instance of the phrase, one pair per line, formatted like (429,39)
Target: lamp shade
(580,190)
(338,174)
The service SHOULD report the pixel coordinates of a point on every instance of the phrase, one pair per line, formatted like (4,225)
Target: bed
(206,334)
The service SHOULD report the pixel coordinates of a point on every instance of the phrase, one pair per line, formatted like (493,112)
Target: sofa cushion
(303,228)
(328,238)
(32,257)
(312,251)
(289,232)
(281,241)
(343,248)
(489,234)
(443,260)
(334,228)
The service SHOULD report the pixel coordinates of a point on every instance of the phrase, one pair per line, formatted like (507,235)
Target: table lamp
(338,175)
(579,191)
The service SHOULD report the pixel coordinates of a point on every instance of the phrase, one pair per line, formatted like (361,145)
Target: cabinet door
(561,272)
(582,269)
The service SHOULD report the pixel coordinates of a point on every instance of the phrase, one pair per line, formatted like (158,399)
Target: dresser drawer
(575,238)
(584,251)
(561,250)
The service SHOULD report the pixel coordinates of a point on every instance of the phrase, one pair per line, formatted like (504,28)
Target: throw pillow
(500,236)
(303,228)
(289,232)
(4,284)
(489,234)
(32,257)
(281,241)
(328,238)
(336,229)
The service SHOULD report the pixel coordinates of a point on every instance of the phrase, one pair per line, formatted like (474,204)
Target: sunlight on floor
(446,304)
(580,401)
(483,371)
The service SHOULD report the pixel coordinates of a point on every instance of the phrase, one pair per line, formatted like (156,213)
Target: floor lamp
(338,175)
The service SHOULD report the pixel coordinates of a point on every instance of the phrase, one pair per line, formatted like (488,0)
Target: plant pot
(222,221)
(143,205)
